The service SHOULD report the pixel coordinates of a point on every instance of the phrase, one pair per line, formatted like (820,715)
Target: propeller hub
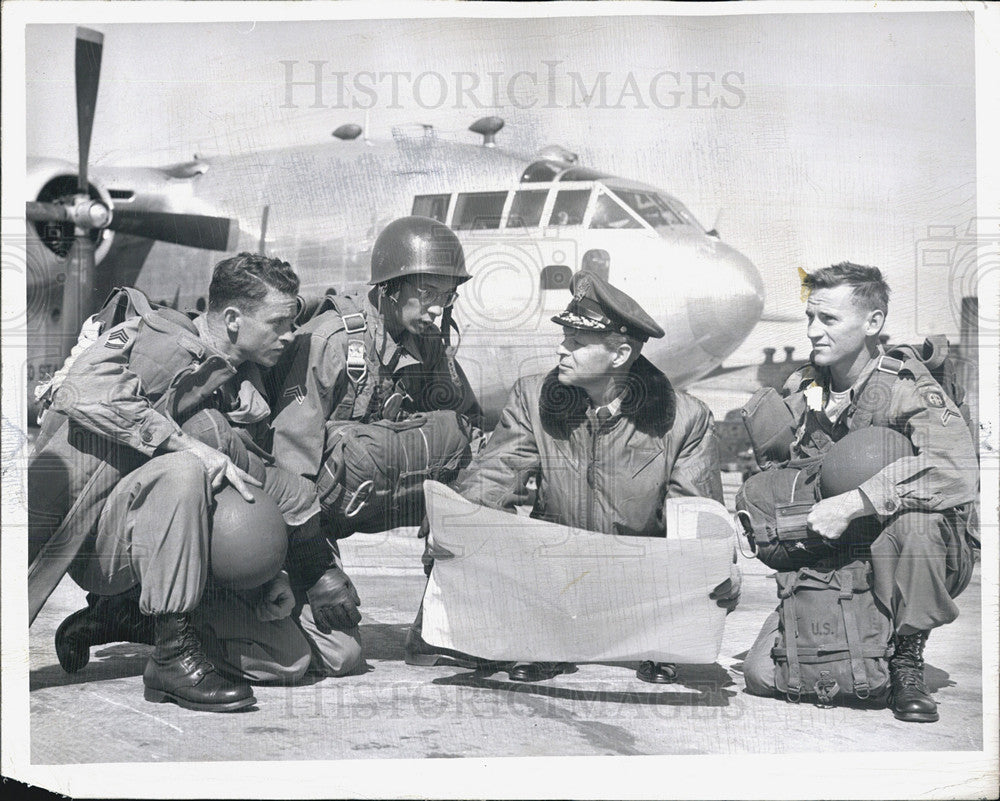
(88,213)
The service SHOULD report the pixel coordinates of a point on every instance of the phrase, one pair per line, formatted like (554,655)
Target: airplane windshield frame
(567,209)
(478,211)
(648,206)
(682,211)
(610,213)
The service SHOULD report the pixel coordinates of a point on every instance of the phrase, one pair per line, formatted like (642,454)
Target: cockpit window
(570,206)
(433,206)
(649,207)
(682,211)
(609,213)
(478,210)
(526,210)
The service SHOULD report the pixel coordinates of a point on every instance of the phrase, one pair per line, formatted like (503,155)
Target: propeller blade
(89,46)
(46,212)
(77,288)
(193,230)
(87,214)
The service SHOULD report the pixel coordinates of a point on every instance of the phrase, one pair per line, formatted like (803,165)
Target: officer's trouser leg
(244,646)
(758,667)
(154,531)
(920,562)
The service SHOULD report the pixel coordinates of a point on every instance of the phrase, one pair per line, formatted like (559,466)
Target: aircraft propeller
(88,214)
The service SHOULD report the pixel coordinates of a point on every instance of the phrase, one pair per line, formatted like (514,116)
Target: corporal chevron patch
(297,393)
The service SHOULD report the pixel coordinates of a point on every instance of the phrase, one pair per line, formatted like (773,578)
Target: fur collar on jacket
(649,402)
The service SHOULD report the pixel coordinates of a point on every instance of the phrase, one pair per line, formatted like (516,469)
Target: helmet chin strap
(450,350)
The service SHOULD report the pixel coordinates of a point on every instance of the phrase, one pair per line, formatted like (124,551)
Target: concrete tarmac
(398,711)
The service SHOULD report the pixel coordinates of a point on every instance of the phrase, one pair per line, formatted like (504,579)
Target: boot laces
(193,649)
(908,676)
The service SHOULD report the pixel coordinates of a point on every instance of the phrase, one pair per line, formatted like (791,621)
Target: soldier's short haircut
(869,289)
(244,280)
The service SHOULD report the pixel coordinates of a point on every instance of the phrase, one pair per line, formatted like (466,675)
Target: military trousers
(154,531)
(921,562)
(311,552)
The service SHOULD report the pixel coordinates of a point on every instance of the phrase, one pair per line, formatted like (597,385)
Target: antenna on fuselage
(487,127)
(714,231)
(347,132)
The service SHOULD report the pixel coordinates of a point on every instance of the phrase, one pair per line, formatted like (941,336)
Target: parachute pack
(373,474)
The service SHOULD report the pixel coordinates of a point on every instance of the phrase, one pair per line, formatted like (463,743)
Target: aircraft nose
(747,291)
(729,304)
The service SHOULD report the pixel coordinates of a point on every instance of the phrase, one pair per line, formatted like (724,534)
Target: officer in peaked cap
(610,408)
(597,306)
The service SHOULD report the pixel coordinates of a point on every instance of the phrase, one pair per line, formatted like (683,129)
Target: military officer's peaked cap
(598,306)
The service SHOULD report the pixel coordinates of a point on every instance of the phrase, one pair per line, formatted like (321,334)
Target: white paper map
(507,587)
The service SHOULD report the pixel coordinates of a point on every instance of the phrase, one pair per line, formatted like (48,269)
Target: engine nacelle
(48,180)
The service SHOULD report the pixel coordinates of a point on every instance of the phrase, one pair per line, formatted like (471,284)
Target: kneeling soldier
(150,420)
(915,513)
(383,356)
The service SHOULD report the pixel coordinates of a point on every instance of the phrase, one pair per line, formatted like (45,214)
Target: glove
(334,602)
(727,594)
(277,599)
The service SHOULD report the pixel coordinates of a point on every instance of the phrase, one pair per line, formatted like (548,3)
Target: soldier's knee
(180,475)
(289,669)
(339,653)
(914,532)
(346,661)
(758,674)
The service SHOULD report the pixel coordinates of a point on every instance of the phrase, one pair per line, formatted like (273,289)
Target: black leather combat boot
(107,618)
(178,671)
(910,700)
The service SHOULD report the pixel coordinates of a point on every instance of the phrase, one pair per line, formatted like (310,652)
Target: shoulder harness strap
(355,325)
(871,402)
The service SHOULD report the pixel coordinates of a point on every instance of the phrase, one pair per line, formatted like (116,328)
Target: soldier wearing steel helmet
(381,356)
(916,512)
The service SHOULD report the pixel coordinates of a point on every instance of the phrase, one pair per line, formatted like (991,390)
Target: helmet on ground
(859,456)
(417,246)
(249,540)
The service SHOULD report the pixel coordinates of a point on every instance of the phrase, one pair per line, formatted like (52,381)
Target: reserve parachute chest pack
(373,472)
(773,505)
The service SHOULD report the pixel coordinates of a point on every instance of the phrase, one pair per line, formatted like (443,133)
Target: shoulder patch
(933,398)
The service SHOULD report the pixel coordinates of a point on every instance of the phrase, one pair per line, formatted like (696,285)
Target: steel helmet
(249,540)
(417,246)
(859,456)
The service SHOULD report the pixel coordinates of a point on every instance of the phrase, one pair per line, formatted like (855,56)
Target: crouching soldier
(383,356)
(149,421)
(914,514)
(607,439)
